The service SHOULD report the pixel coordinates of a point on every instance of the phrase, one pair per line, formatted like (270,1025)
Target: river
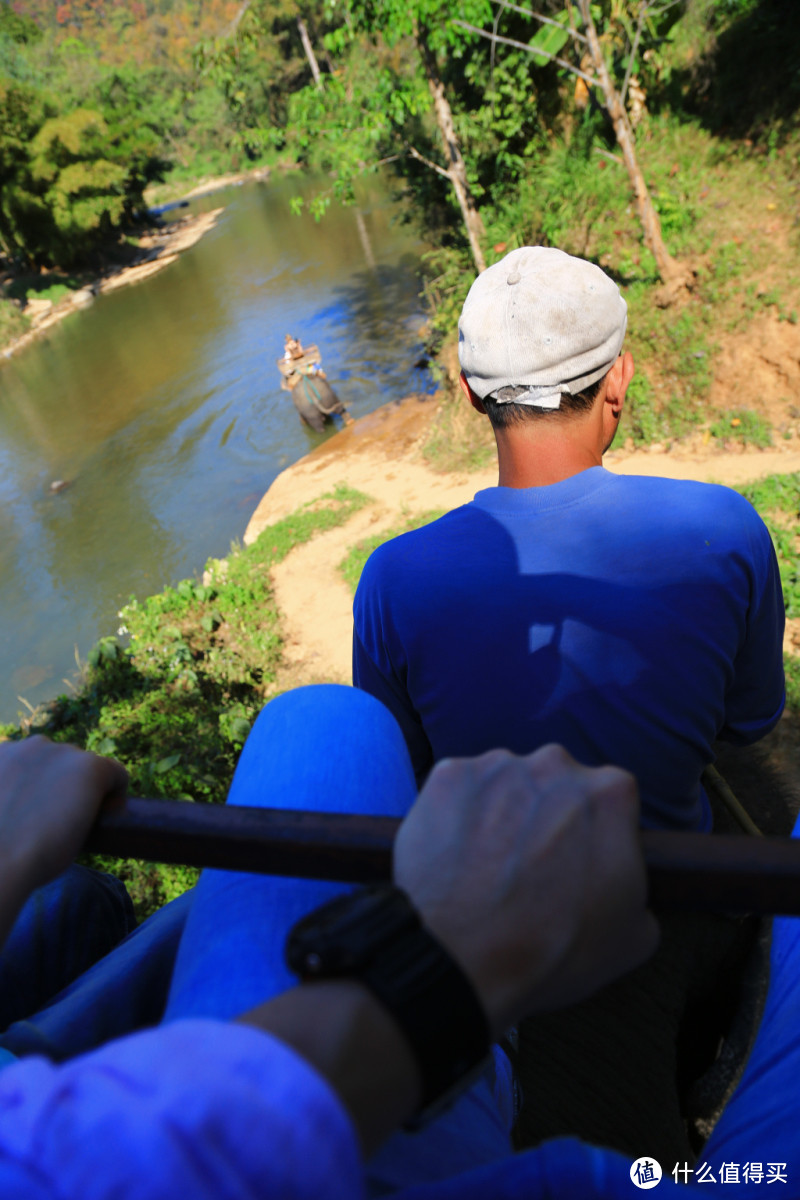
(161,406)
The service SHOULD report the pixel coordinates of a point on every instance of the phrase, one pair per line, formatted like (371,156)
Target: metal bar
(690,871)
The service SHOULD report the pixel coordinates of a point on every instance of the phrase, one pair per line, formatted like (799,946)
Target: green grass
(352,564)
(13,323)
(176,705)
(777,499)
(645,420)
(744,426)
(792,664)
(52,286)
(459,439)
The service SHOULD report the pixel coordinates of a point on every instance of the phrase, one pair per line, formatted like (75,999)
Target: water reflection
(162,405)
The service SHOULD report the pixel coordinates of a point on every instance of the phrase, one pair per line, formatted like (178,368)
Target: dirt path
(379,455)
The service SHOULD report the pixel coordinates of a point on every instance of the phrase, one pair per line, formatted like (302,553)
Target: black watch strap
(375,935)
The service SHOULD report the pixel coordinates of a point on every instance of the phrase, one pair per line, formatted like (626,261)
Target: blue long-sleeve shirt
(204,1110)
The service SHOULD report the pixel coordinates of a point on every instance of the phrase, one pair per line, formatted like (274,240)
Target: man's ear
(468,392)
(618,381)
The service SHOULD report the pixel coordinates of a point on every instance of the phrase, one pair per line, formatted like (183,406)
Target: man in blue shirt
(633,620)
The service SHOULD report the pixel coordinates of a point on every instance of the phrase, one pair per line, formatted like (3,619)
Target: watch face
(343,936)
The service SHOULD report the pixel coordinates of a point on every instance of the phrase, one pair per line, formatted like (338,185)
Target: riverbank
(173,192)
(152,249)
(156,249)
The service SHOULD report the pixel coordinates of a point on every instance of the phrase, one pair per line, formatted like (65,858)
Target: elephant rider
(293,348)
(633,620)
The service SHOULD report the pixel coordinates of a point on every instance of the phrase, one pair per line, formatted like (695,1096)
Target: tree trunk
(234,25)
(309,49)
(457,170)
(366,244)
(671,271)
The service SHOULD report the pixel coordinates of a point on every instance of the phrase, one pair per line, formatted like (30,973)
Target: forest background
(660,138)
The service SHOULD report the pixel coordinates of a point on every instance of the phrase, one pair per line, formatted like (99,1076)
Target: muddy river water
(161,407)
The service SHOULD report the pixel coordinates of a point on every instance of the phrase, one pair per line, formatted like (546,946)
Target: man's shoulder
(397,570)
(408,546)
(687,496)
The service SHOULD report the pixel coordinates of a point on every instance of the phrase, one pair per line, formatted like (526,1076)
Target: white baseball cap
(541,321)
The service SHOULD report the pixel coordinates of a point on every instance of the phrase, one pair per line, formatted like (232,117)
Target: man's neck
(547,454)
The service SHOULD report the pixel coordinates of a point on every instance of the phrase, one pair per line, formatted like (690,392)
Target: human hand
(50,796)
(530,872)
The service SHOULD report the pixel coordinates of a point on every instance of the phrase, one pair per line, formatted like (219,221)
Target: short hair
(503,415)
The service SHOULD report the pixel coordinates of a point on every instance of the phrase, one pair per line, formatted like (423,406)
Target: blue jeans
(338,750)
(63,929)
(329,749)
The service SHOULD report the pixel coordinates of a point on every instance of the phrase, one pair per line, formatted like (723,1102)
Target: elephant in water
(315,400)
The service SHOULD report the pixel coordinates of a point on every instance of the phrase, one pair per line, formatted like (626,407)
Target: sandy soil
(379,455)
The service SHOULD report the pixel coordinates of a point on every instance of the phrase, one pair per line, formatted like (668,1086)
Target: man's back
(633,620)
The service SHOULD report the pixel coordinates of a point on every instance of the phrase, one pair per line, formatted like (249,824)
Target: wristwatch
(376,936)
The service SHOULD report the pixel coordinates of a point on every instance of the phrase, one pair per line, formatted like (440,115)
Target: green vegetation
(459,440)
(492,145)
(69,181)
(352,564)
(792,665)
(176,705)
(13,323)
(777,499)
(742,425)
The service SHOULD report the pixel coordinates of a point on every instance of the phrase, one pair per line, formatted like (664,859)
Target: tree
(302,29)
(258,62)
(456,172)
(426,22)
(68,182)
(22,111)
(546,46)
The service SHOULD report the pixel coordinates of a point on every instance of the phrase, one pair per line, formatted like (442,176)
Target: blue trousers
(63,930)
(219,950)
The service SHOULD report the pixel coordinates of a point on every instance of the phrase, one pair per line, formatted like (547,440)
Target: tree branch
(526,12)
(607,154)
(234,25)
(427,162)
(495,24)
(637,38)
(496,37)
(309,49)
